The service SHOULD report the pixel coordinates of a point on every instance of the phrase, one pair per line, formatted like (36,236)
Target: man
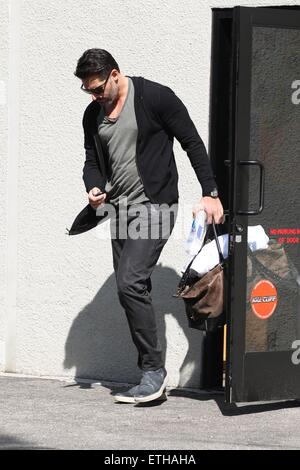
(135,121)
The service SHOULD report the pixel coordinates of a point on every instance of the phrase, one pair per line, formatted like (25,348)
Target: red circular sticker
(264,299)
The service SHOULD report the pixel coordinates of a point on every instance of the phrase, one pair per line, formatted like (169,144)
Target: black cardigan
(160,116)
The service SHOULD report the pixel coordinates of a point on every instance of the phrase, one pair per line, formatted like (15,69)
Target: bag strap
(221,257)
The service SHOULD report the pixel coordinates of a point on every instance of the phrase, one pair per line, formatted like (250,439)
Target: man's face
(109,89)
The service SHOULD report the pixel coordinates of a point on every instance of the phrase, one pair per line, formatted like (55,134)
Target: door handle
(261,186)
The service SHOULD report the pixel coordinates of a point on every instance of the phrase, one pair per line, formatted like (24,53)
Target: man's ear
(115,74)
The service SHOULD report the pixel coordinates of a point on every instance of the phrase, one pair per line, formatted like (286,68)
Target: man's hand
(96,201)
(213,208)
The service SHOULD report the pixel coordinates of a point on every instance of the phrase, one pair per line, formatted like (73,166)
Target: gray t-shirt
(118,137)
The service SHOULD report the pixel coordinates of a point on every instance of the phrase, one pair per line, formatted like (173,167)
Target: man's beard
(109,101)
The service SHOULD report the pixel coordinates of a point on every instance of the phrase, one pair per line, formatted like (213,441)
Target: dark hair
(95,61)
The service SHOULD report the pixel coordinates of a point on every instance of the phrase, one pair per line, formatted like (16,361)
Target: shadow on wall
(99,344)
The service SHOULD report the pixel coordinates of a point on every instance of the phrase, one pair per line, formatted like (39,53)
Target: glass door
(263,301)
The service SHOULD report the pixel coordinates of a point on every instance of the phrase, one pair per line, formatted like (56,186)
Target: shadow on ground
(9,442)
(99,344)
(231,409)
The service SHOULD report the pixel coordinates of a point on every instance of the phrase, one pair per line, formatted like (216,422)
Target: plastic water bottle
(197,233)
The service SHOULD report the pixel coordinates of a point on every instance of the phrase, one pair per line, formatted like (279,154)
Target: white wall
(3,164)
(59,310)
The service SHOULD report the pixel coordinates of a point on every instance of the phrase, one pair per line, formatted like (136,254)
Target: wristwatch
(214,194)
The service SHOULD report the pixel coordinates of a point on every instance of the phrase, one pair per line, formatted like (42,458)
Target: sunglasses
(96,91)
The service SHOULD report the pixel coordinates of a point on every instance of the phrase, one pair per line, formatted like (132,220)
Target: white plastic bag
(257,238)
(208,257)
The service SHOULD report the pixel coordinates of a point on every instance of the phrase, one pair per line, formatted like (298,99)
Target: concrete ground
(40,413)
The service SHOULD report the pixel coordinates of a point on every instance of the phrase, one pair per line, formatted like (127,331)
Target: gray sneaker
(151,387)
(128,396)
